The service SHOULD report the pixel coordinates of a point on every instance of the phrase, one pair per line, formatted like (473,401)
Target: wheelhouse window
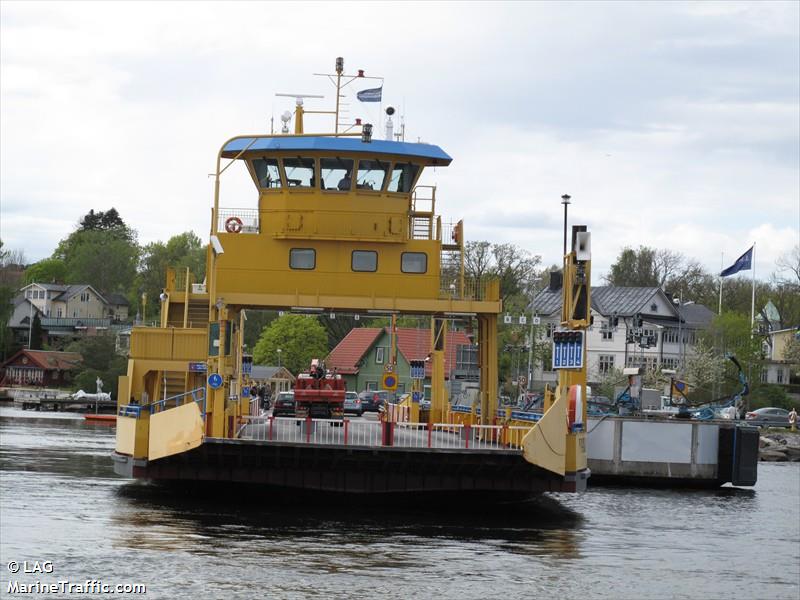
(268,174)
(299,172)
(364,260)
(336,174)
(303,258)
(403,177)
(371,174)
(414,262)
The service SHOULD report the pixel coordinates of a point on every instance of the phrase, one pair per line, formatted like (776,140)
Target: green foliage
(37,333)
(770,395)
(300,339)
(180,251)
(99,360)
(635,268)
(257,320)
(608,382)
(102,259)
(512,265)
(48,270)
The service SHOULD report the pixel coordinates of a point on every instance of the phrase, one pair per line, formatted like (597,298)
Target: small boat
(110,419)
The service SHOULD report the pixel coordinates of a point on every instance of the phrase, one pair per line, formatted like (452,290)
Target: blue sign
(198,367)
(215,381)
(416,396)
(246,392)
(568,349)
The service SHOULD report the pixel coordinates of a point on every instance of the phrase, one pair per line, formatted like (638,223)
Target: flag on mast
(370,95)
(743,263)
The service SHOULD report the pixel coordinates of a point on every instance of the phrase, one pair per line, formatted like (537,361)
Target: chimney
(556,280)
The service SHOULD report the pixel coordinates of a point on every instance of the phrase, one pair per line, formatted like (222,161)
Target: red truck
(319,394)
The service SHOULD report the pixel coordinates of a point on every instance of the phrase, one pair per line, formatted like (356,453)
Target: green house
(361,357)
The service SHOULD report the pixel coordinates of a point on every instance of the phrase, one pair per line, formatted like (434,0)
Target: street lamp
(279,358)
(532,338)
(565,201)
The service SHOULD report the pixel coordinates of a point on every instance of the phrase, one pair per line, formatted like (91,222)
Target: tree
(512,265)
(789,266)
(180,251)
(102,259)
(48,270)
(634,268)
(37,333)
(299,337)
(10,274)
(99,359)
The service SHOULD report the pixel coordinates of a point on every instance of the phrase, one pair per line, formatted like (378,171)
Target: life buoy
(575,408)
(233,225)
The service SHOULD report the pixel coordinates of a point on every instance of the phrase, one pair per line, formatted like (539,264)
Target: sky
(672,125)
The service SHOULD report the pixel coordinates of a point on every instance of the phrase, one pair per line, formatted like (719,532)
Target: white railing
(237,220)
(371,434)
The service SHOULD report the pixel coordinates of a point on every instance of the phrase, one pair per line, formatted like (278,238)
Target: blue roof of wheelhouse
(432,154)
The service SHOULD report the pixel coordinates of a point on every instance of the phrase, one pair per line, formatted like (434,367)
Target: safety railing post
(308,429)
(271,423)
(346,430)
(430,434)
(467,432)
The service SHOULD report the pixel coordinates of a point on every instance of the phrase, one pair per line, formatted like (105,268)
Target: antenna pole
(339,69)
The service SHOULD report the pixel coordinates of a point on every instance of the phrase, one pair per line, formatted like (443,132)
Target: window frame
(387,173)
(352,261)
(380,355)
(402,270)
(413,183)
(314,266)
(336,189)
(314,175)
(251,166)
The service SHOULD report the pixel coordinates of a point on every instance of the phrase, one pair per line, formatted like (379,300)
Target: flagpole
(721,268)
(753,300)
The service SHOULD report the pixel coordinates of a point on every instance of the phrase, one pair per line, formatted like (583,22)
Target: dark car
(372,400)
(768,417)
(284,405)
(352,404)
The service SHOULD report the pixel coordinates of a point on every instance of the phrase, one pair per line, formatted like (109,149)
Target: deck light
(361,72)
(366,133)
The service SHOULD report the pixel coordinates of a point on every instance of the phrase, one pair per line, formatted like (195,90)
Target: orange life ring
(233,225)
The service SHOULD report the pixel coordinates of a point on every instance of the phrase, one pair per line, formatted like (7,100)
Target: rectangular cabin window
(336,174)
(403,177)
(414,262)
(371,174)
(299,172)
(268,173)
(302,258)
(364,260)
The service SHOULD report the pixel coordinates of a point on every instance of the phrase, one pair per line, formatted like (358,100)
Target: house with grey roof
(632,326)
(75,301)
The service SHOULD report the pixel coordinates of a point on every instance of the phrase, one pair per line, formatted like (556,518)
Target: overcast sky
(673,125)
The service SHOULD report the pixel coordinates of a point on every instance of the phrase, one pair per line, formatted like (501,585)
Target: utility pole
(532,342)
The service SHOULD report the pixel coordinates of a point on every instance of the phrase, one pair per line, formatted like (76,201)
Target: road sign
(417,396)
(215,381)
(523,320)
(507,319)
(537,320)
(198,367)
(389,381)
(388,368)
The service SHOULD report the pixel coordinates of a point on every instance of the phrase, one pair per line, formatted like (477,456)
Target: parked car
(284,405)
(372,400)
(768,417)
(352,404)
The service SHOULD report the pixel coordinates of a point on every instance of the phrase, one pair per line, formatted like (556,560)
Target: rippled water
(60,501)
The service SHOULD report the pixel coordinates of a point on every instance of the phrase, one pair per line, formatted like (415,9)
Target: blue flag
(371,95)
(743,263)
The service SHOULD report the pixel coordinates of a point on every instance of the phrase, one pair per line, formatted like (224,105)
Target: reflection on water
(59,500)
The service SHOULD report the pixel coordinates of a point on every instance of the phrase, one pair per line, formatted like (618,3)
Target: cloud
(671,124)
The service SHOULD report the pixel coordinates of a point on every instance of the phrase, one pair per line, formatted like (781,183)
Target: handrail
(135,410)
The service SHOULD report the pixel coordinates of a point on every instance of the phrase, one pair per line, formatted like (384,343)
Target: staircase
(197,316)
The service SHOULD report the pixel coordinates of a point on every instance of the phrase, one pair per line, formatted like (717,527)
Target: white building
(665,338)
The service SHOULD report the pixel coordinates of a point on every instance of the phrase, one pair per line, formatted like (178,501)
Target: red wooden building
(40,368)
